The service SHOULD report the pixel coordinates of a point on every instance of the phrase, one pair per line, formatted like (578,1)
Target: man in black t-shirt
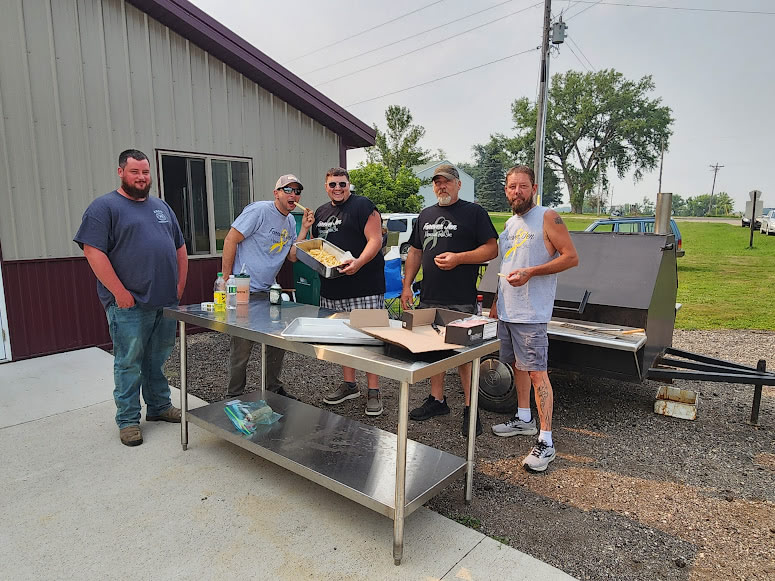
(450,239)
(352,223)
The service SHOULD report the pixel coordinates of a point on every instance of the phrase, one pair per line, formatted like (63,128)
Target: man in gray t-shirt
(134,245)
(261,238)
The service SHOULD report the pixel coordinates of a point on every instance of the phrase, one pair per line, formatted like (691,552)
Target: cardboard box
(423,330)
(456,331)
(421,337)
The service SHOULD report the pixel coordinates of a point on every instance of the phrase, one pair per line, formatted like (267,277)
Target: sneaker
(539,457)
(171,414)
(431,407)
(466,414)
(281,391)
(342,393)
(373,403)
(515,427)
(131,436)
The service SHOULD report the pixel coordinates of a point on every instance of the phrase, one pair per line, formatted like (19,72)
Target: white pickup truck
(767,223)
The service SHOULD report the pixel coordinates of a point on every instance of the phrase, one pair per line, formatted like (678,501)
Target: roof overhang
(210,35)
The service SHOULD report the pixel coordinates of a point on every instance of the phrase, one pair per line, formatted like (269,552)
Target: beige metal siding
(81,80)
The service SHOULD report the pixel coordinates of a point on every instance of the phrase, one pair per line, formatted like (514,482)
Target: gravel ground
(631,495)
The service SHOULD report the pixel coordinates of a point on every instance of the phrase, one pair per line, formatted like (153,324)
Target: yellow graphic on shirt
(520,237)
(284,239)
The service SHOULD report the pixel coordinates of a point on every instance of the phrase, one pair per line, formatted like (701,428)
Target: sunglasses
(290,190)
(332,185)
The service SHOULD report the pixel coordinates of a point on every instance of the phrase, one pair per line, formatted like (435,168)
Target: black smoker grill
(614,316)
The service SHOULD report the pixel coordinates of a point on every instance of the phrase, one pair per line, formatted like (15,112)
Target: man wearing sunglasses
(352,223)
(261,238)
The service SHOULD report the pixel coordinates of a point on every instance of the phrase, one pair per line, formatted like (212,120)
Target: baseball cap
(288,178)
(448,171)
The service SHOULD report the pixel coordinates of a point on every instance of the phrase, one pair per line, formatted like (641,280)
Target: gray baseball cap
(288,178)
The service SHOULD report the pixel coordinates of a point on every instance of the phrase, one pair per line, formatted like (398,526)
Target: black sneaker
(466,414)
(431,407)
(281,391)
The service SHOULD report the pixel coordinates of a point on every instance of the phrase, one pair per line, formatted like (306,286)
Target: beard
(519,206)
(136,193)
(444,200)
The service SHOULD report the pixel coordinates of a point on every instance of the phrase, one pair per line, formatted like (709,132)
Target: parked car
(745,222)
(767,225)
(403,224)
(634,225)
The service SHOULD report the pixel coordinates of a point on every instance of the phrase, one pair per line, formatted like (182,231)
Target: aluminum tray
(335,331)
(302,253)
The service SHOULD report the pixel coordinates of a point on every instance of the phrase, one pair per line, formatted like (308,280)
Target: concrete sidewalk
(76,503)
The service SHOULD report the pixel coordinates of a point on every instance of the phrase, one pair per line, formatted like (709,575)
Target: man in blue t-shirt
(450,240)
(134,245)
(260,239)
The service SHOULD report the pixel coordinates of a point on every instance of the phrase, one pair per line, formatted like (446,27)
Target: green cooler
(305,280)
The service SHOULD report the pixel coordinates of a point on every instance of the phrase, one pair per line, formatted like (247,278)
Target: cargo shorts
(524,344)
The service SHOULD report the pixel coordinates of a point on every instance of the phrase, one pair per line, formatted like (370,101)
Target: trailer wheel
(496,386)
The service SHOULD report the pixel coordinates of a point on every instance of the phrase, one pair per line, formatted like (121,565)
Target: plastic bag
(248,415)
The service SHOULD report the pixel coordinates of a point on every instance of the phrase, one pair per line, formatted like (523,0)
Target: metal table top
(261,322)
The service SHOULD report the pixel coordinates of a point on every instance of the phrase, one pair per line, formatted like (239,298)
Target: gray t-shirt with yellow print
(268,238)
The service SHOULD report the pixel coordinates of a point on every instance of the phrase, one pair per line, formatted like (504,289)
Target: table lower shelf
(350,458)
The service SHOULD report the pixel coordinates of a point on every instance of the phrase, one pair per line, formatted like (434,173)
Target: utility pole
(715,169)
(543,90)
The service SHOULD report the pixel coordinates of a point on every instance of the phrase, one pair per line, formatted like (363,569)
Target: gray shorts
(524,344)
(470,309)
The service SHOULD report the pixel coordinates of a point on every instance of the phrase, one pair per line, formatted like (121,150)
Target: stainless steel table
(344,455)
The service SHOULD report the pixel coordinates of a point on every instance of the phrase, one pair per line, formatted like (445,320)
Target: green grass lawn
(722,284)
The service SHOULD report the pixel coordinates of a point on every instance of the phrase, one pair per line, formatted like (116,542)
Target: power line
(341,40)
(578,48)
(407,37)
(435,43)
(445,77)
(684,8)
(594,3)
(581,62)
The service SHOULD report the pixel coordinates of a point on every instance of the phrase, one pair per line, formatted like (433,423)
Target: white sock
(546,438)
(524,414)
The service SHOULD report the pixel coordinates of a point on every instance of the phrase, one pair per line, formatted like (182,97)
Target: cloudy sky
(713,63)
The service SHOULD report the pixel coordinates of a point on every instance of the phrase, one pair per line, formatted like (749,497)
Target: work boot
(131,436)
(171,414)
(466,419)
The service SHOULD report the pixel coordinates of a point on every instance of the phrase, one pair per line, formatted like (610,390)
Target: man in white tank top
(534,247)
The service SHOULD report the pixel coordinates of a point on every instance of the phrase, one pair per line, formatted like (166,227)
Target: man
(134,245)
(450,239)
(535,246)
(352,223)
(260,238)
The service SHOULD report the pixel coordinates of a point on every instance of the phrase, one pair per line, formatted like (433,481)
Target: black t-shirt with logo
(461,227)
(342,225)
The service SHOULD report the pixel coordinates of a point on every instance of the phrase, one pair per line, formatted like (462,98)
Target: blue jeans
(142,341)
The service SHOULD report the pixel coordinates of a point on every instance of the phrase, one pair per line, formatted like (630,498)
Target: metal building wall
(81,80)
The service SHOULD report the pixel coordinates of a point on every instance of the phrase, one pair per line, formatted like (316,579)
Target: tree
(722,204)
(399,146)
(595,121)
(389,194)
(678,205)
(647,206)
(491,162)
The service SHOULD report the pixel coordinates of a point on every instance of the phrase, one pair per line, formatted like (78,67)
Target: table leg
(474,411)
(263,367)
(183,386)
(400,497)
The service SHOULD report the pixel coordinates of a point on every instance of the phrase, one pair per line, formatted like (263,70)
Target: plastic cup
(243,290)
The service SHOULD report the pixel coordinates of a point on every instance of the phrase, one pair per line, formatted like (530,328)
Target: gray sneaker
(515,427)
(539,457)
(373,403)
(342,393)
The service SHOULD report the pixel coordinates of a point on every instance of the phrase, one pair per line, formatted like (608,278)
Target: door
(5,340)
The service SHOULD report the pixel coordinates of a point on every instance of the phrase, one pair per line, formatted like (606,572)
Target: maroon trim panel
(53,306)
(210,35)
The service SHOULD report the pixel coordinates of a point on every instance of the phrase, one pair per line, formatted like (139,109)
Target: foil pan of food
(321,256)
